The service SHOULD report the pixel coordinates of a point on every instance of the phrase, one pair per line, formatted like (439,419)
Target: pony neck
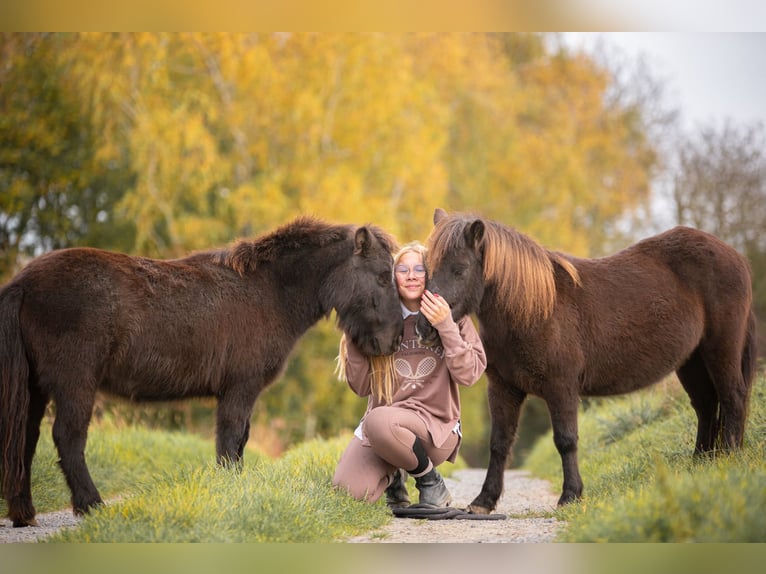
(314,281)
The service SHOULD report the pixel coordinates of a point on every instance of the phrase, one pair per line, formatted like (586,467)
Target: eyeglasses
(417,270)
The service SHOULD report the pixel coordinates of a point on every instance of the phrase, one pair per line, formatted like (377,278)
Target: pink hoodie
(427,377)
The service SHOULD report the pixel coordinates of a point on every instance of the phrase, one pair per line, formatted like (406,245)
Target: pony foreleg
(564,423)
(232,429)
(505,408)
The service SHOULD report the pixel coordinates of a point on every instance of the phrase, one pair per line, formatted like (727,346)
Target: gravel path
(525,501)
(48,523)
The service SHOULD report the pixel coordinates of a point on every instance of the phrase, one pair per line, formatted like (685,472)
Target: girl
(412,420)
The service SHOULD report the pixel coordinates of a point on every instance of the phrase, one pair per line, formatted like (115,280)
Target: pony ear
(362,241)
(474,234)
(439,214)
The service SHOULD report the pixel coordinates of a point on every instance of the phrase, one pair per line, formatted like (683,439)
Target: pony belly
(622,381)
(155,388)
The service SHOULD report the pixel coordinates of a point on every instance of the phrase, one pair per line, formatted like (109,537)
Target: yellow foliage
(218,135)
(247,130)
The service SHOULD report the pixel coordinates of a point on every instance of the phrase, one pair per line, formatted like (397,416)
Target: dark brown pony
(559,327)
(218,323)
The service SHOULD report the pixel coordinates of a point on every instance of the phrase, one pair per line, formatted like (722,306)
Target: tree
(162,143)
(542,139)
(55,193)
(720,187)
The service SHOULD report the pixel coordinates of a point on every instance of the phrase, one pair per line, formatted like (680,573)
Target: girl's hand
(434,307)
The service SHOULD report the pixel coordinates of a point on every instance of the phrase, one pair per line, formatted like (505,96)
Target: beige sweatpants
(366,471)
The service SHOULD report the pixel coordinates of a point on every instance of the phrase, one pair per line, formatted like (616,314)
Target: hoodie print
(415,363)
(413,380)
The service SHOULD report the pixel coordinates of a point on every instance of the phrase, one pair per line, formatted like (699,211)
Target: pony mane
(519,268)
(304,232)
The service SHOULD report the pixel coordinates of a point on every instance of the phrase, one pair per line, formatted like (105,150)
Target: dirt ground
(524,501)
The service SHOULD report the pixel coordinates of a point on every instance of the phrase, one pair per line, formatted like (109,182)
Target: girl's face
(410,279)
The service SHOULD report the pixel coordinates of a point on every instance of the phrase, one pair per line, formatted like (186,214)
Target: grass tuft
(290,499)
(119,458)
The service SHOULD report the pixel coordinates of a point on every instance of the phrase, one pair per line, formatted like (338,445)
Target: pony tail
(14,397)
(749,366)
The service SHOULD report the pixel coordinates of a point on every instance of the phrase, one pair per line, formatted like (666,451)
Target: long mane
(304,232)
(520,269)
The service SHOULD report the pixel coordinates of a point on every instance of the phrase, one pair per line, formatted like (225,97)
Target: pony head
(363,293)
(455,265)
(471,259)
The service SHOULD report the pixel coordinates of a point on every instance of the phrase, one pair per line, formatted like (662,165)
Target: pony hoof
(475,509)
(80,510)
(567,499)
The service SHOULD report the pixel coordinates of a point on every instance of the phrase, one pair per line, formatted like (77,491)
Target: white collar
(406,312)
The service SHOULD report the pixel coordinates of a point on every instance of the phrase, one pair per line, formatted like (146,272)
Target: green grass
(643,485)
(165,487)
(119,458)
(289,499)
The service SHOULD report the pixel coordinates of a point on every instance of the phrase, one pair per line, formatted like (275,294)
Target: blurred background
(158,144)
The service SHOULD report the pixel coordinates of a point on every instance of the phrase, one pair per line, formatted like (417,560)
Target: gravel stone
(48,523)
(523,495)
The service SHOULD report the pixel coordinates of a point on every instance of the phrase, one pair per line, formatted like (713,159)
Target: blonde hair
(382,371)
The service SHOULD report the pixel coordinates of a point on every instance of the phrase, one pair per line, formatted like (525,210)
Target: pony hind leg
(696,381)
(732,390)
(70,433)
(505,404)
(728,352)
(21,510)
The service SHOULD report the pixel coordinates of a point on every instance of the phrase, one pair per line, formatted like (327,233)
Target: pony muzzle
(427,333)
